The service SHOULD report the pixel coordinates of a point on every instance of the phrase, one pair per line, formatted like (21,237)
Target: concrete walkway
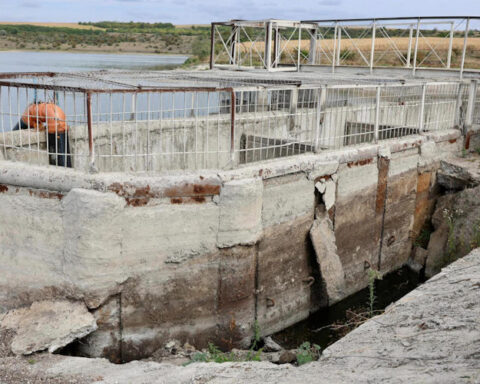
(432,335)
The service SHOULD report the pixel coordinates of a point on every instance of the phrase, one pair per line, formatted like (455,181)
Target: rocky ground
(432,335)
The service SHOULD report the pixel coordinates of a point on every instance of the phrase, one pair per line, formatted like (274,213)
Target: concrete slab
(48,325)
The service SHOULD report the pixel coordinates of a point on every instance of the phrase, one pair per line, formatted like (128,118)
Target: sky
(206,11)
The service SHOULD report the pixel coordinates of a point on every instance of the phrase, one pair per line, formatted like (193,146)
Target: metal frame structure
(123,127)
(316,30)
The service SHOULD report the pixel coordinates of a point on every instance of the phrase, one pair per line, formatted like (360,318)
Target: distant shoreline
(98,52)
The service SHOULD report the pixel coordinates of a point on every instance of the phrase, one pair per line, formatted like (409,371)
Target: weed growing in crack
(451,240)
(214,354)
(307,353)
(373,275)
(476,236)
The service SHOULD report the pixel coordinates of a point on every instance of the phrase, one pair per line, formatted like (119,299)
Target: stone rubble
(47,325)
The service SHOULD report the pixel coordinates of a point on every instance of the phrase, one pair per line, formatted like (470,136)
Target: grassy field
(44,24)
(384,50)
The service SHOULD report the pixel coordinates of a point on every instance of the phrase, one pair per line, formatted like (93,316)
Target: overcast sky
(205,11)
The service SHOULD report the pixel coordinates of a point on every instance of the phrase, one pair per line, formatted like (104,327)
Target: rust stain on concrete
(383,165)
(3,188)
(178,194)
(359,163)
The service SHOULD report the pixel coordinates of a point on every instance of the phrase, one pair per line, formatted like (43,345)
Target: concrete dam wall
(202,256)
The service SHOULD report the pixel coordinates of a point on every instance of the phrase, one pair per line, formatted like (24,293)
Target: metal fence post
(299,46)
(268,46)
(450,45)
(334,53)
(458,106)
(377,115)
(372,49)
(416,47)
(464,52)
(421,122)
(322,97)
(233,107)
(212,46)
(409,52)
(91,148)
(339,42)
(312,53)
(472,94)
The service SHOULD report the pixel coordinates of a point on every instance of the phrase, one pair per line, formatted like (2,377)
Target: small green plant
(477,150)
(373,275)
(464,152)
(451,240)
(307,353)
(214,354)
(476,236)
(423,238)
(31,361)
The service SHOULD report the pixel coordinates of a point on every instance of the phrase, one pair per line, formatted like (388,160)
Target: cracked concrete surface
(431,335)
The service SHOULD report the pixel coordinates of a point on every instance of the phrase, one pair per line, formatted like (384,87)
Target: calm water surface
(23,61)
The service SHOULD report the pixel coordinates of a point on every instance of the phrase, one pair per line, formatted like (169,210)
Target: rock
(323,239)
(458,173)
(272,357)
(270,345)
(48,325)
(456,221)
(418,259)
(189,348)
(171,344)
(287,357)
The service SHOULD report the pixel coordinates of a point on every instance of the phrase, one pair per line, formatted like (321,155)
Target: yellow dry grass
(45,24)
(381,44)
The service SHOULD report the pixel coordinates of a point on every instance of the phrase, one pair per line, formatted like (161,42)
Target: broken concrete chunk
(270,345)
(320,186)
(331,269)
(47,325)
(457,174)
(418,259)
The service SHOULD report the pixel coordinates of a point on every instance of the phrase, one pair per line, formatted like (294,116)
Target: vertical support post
(299,46)
(312,53)
(233,106)
(276,47)
(458,106)
(421,122)
(464,52)
(212,45)
(293,108)
(409,52)
(377,114)
(339,42)
(417,37)
(91,149)
(334,53)
(450,45)
(322,97)
(372,48)
(268,46)
(472,94)
(233,47)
